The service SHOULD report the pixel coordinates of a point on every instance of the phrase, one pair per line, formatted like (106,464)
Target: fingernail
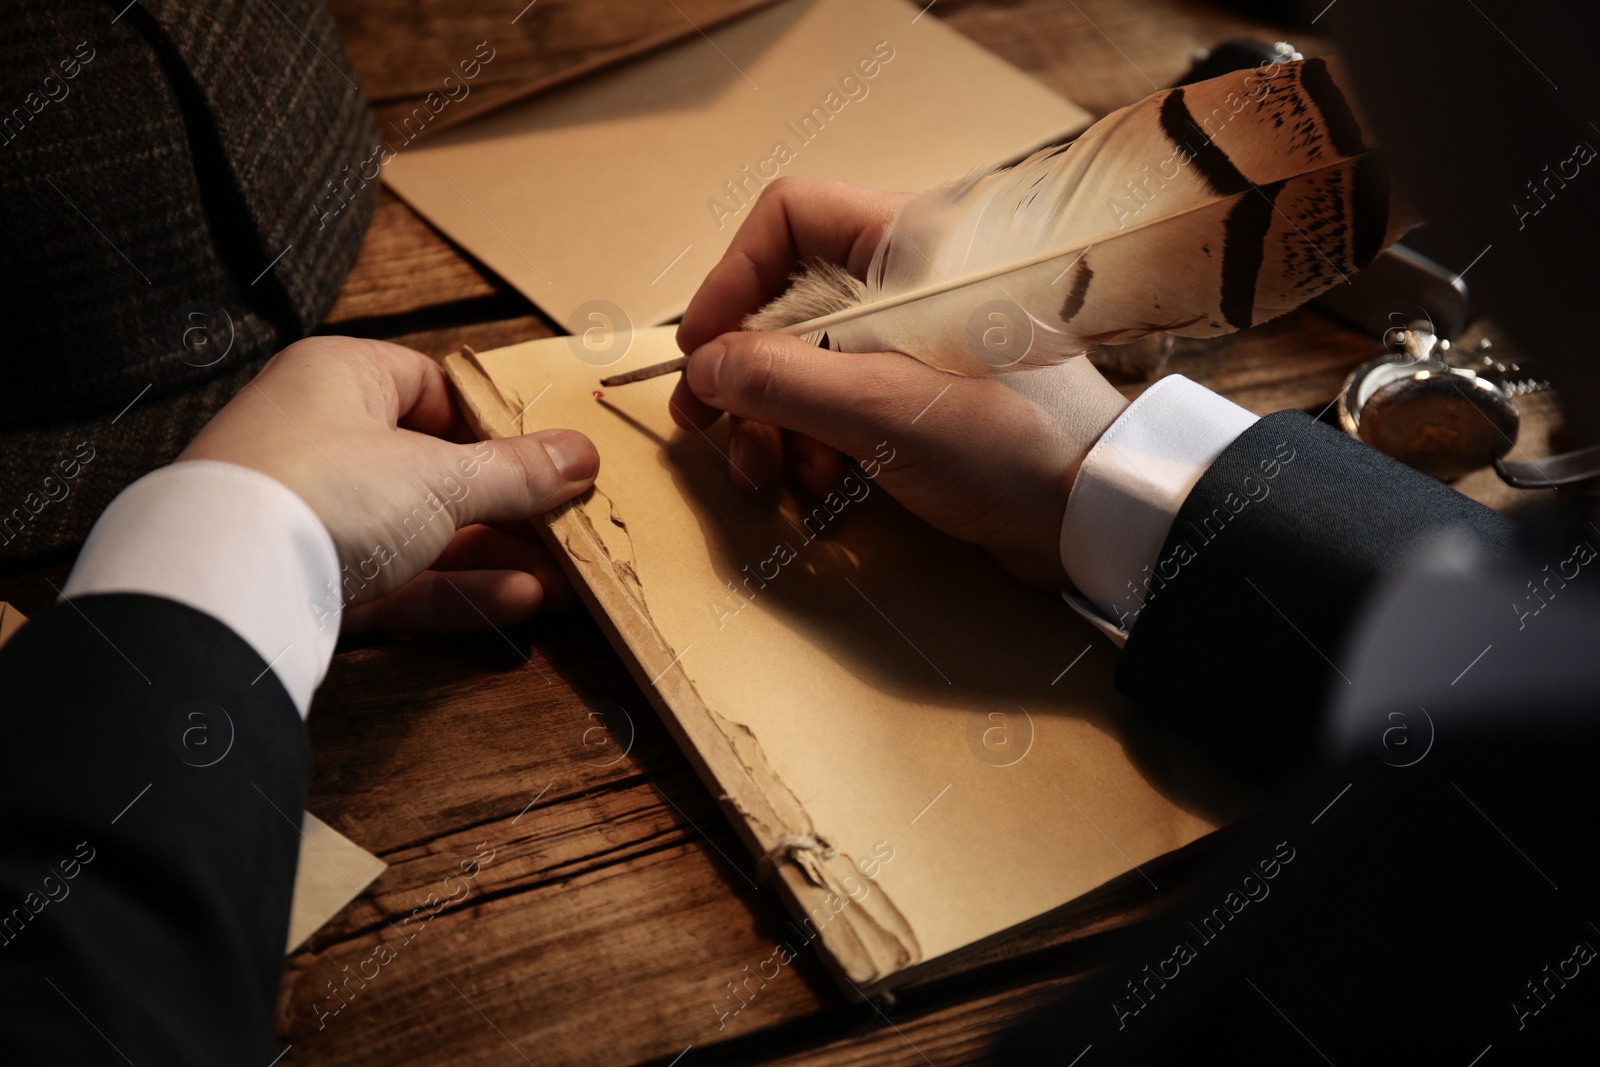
(703,367)
(573,454)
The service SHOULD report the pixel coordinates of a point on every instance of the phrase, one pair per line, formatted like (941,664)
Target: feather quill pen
(1197,211)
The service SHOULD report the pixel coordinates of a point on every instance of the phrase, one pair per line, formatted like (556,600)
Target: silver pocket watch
(1444,411)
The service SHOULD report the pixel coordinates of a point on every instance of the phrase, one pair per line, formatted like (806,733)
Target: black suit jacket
(1243,637)
(1424,889)
(152,782)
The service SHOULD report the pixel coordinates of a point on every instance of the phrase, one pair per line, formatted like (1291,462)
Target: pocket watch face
(1439,421)
(1440,418)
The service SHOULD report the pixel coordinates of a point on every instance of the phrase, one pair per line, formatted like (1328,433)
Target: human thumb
(524,477)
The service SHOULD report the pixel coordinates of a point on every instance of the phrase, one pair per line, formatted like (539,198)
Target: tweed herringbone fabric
(166,174)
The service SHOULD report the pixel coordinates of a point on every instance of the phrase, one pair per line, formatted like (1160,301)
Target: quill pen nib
(654,371)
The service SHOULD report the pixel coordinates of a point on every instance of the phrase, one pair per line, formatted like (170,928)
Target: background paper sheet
(606,189)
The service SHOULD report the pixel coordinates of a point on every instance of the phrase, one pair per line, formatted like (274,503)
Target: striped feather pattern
(1197,211)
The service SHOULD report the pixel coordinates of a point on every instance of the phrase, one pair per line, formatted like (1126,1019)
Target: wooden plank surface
(612,916)
(612,906)
(404,266)
(601,859)
(618,920)
(497,49)
(1105,54)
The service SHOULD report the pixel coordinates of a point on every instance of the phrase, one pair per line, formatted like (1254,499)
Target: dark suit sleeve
(1262,575)
(152,781)
(1426,894)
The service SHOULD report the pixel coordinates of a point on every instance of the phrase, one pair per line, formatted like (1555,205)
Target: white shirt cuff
(1131,486)
(233,543)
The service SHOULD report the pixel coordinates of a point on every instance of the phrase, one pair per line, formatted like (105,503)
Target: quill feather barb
(1197,211)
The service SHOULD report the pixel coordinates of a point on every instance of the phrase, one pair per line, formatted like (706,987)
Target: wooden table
(613,905)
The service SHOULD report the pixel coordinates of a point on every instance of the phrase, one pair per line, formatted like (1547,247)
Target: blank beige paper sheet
(625,187)
(865,695)
(333,871)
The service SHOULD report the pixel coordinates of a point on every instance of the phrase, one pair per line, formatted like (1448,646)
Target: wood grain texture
(619,905)
(616,907)
(406,265)
(628,959)
(1297,361)
(1105,54)
(554,771)
(481,336)
(612,904)
(403,49)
